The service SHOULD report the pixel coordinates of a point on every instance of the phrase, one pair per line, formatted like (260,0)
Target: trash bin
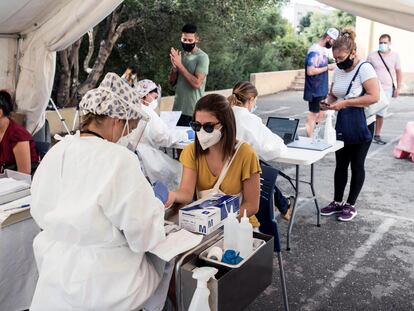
(233,288)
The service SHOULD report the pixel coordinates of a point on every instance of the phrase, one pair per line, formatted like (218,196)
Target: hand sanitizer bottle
(245,237)
(329,133)
(199,302)
(316,133)
(230,231)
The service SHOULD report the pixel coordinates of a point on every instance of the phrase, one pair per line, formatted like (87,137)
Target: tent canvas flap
(397,13)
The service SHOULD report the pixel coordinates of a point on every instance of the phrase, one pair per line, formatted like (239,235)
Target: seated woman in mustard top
(214,145)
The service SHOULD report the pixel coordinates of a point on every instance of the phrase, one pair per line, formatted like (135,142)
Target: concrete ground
(366,264)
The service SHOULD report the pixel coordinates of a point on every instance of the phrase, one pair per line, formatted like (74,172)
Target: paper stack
(14,211)
(12,189)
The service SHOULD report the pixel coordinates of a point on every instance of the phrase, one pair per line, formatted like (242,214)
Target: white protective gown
(251,129)
(99,216)
(156,164)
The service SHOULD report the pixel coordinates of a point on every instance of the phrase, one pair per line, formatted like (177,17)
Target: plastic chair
(266,217)
(43,140)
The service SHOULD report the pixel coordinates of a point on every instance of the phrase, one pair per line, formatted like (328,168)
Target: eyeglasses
(208,127)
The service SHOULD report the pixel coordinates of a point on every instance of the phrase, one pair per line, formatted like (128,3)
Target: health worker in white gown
(98,213)
(156,164)
(251,129)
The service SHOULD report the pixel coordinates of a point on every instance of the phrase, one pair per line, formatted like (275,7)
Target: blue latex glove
(160,191)
(191,134)
(231,257)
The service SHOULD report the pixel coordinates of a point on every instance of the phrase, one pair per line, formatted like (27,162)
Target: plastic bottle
(330,133)
(199,302)
(230,231)
(316,133)
(245,237)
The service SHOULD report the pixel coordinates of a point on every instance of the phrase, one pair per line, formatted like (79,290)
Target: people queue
(101,206)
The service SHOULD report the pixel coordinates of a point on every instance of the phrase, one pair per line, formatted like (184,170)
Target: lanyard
(92,133)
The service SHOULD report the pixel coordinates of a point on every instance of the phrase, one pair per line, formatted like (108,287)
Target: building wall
(265,82)
(368,33)
(294,12)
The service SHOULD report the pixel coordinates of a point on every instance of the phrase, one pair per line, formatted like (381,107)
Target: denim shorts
(314,105)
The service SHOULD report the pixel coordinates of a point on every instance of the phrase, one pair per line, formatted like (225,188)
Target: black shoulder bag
(351,124)
(392,79)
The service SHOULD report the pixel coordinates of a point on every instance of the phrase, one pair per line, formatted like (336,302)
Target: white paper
(176,243)
(170,118)
(18,176)
(15,204)
(14,207)
(10,185)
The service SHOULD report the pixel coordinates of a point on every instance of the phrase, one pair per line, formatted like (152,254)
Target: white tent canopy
(44,27)
(397,13)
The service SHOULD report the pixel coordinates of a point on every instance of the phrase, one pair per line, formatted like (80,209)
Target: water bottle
(316,133)
(330,133)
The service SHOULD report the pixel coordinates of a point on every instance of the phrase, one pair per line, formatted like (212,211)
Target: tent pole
(10,35)
(18,55)
(59,115)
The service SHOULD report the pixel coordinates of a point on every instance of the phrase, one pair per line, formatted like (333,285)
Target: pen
(16,207)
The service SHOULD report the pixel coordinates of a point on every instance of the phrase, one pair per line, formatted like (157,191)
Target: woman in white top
(156,164)
(251,129)
(355,86)
(98,214)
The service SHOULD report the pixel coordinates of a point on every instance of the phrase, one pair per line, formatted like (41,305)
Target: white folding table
(303,157)
(18,272)
(297,157)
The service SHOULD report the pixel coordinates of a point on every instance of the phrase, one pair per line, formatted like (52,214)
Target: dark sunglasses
(208,127)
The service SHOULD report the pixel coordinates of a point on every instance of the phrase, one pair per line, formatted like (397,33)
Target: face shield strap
(142,125)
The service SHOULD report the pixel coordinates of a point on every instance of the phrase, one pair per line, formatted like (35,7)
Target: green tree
(305,22)
(240,37)
(319,23)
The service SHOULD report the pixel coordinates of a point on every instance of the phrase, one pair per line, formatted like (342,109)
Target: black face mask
(346,64)
(328,45)
(188,47)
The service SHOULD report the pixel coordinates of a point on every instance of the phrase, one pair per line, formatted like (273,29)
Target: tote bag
(351,125)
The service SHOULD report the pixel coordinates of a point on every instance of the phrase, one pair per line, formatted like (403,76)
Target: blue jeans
(281,202)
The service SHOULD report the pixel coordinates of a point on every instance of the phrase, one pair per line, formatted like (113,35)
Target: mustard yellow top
(244,165)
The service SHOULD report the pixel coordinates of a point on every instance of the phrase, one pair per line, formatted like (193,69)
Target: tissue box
(206,215)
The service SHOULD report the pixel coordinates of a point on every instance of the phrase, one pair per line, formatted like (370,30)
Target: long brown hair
(218,106)
(242,92)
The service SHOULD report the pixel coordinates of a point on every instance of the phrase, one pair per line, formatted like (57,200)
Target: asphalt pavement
(365,264)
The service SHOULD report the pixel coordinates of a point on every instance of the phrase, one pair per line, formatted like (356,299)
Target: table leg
(292,218)
(318,214)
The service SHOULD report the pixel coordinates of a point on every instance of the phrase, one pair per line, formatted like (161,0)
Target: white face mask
(207,140)
(131,140)
(153,105)
(125,132)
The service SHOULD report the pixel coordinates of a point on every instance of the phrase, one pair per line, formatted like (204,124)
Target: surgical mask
(121,140)
(383,47)
(188,47)
(131,140)
(346,64)
(153,105)
(328,45)
(207,140)
(254,109)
